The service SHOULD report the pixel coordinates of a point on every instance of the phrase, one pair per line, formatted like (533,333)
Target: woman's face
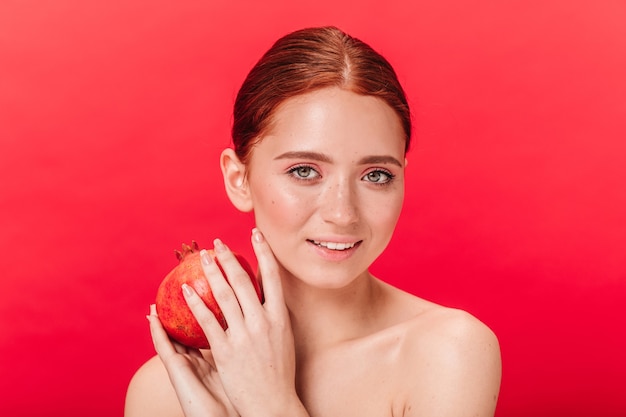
(327,184)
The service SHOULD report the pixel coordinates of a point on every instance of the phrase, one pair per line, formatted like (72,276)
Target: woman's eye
(304,172)
(378,177)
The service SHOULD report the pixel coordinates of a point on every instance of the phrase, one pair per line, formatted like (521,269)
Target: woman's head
(325,183)
(309,60)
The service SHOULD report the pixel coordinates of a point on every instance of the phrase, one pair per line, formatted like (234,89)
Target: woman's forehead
(335,117)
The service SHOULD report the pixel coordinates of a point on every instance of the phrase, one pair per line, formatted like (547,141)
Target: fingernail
(186,290)
(205,258)
(153,310)
(256,235)
(219,246)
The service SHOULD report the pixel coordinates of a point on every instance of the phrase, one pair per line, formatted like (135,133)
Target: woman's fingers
(233,289)
(268,269)
(231,285)
(207,320)
(238,277)
(160,339)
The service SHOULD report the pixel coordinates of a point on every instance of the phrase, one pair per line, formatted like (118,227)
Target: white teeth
(334,245)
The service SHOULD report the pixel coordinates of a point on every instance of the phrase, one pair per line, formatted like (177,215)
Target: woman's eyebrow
(316,156)
(380,159)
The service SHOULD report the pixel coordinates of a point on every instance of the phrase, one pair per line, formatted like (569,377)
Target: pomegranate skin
(171,306)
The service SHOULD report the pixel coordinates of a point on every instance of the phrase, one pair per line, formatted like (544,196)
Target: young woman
(321,130)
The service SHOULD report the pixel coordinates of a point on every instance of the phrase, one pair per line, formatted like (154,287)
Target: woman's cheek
(278,207)
(388,213)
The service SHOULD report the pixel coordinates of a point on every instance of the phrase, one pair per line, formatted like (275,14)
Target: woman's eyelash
(303,172)
(374,176)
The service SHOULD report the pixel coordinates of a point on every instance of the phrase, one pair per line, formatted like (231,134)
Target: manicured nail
(205,257)
(256,235)
(218,246)
(187,290)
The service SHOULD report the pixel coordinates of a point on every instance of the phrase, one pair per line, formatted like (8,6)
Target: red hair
(308,60)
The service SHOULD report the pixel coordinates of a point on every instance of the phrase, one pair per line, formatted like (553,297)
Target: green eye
(303,172)
(378,176)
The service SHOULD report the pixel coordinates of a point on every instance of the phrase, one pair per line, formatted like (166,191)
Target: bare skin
(326,186)
(439,362)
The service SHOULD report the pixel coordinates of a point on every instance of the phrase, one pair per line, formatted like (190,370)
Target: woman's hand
(255,356)
(193,375)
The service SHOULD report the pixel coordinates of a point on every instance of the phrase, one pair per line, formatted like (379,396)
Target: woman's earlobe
(235,180)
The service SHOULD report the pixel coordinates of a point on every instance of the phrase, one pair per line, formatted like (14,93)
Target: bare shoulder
(436,326)
(448,361)
(463,356)
(455,329)
(150,392)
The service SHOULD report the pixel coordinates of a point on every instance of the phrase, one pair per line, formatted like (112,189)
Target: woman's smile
(333,251)
(340,246)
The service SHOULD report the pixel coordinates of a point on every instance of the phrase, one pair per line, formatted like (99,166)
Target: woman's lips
(334,251)
(334,245)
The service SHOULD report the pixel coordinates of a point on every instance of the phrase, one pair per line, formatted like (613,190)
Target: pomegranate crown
(180,255)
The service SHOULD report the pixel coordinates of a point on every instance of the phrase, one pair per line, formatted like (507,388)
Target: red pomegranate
(171,307)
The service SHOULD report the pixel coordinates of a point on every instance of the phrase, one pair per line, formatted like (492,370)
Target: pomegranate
(171,307)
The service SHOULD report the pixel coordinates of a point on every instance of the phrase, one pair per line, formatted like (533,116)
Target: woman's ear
(236,180)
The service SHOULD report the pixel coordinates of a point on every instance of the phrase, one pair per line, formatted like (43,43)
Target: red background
(113,114)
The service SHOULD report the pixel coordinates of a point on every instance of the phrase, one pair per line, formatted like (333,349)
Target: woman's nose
(339,204)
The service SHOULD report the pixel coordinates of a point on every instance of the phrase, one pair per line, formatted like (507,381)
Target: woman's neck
(322,318)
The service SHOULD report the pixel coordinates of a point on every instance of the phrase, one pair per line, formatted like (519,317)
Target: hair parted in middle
(307,60)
